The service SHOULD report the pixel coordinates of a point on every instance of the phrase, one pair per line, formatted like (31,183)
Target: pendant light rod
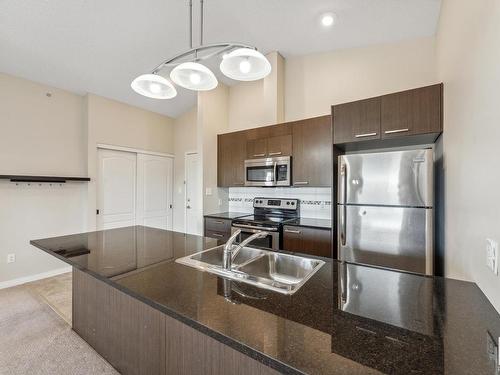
(219,49)
(190,23)
(201,21)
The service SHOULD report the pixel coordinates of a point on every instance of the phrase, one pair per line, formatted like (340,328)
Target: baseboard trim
(38,276)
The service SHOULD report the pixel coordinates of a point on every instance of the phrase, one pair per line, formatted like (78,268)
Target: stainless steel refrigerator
(385,209)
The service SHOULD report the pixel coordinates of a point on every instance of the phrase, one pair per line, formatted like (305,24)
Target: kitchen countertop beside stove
(382,322)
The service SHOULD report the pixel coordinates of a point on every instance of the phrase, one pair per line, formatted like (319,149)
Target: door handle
(274,153)
(301,183)
(217,235)
(365,135)
(396,131)
(259,155)
(292,231)
(343,234)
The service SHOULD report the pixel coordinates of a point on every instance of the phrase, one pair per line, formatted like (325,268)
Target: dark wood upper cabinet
(280,145)
(412,112)
(356,121)
(231,155)
(312,152)
(256,148)
(403,118)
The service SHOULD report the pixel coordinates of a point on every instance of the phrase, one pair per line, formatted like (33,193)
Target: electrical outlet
(11,258)
(492,255)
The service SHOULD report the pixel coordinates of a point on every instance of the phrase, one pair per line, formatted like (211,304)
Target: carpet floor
(35,335)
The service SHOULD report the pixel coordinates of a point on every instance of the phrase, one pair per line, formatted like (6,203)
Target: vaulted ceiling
(99,46)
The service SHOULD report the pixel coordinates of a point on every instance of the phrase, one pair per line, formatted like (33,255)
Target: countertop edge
(232,343)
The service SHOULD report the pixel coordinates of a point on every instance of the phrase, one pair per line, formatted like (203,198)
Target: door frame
(132,149)
(185,188)
(105,146)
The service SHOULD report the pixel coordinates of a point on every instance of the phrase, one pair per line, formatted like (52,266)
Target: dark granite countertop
(346,319)
(228,215)
(311,223)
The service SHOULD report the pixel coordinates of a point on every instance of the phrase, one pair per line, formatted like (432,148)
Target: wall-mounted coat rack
(43,179)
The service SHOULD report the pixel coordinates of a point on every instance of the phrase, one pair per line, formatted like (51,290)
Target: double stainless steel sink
(282,273)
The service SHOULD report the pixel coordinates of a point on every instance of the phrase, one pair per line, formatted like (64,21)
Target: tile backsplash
(314,202)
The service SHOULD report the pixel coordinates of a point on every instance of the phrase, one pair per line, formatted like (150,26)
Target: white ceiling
(99,46)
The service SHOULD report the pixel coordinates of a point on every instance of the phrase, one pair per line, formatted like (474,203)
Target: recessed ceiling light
(328,19)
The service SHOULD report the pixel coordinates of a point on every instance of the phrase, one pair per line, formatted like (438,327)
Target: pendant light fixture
(239,62)
(245,64)
(154,86)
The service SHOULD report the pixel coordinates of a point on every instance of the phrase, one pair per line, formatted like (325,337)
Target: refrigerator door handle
(343,183)
(343,233)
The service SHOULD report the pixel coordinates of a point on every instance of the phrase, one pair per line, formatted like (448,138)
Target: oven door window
(260,174)
(266,242)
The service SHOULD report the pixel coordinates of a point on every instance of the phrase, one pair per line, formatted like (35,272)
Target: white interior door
(194,203)
(154,191)
(116,190)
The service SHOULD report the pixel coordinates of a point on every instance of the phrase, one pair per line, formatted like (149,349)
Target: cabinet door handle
(365,135)
(292,231)
(259,155)
(396,131)
(217,235)
(238,183)
(301,183)
(218,221)
(274,153)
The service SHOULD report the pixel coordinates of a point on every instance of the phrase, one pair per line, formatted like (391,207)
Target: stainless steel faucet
(230,250)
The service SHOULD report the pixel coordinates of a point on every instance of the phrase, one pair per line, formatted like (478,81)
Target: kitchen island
(147,314)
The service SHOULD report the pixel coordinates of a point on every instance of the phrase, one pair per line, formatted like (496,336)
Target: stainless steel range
(269,214)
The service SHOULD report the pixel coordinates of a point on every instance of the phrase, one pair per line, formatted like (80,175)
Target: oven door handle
(255,228)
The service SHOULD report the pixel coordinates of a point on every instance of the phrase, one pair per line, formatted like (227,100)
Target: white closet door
(116,191)
(154,191)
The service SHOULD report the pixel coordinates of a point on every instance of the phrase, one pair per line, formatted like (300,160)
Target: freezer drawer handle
(396,131)
(365,135)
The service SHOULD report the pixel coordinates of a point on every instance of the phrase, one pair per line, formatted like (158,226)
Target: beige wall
(258,103)
(212,120)
(118,124)
(314,82)
(41,135)
(185,140)
(468,64)
(57,134)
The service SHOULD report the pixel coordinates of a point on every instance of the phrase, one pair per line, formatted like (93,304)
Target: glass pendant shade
(153,86)
(193,76)
(245,64)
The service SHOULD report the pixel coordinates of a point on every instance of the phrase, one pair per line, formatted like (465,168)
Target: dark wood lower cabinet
(138,339)
(306,240)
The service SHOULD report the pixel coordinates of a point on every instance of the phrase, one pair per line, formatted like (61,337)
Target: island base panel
(138,339)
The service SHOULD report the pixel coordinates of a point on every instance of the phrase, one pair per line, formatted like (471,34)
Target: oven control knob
(293,203)
(288,203)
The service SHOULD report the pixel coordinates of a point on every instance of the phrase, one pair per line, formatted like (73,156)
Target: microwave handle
(275,173)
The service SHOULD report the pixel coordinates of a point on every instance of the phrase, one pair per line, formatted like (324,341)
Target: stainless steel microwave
(268,171)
